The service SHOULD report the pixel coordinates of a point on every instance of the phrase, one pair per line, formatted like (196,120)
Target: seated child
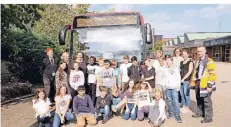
(62,102)
(116,99)
(157,110)
(102,104)
(129,101)
(41,104)
(83,108)
(143,99)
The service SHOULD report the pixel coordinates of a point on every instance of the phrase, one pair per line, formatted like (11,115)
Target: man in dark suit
(48,69)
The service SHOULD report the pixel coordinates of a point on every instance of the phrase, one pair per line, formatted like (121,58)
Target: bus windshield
(112,42)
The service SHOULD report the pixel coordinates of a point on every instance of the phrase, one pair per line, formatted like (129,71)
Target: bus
(109,35)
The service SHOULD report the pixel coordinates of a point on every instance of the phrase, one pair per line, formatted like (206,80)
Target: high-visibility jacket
(208,77)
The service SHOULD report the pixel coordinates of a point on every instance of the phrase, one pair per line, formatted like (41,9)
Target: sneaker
(178,119)
(104,121)
(206,120)
(196,115)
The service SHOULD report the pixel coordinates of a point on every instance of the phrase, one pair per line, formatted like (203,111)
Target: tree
(157,46)
(21,16)
(27,54)
(54,17)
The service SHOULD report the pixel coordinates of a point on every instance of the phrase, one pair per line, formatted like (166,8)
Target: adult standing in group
(82,67)
(158,56)
(65,58)
(186,68)
(148,74)
(134,71)
(203,79)
(82,63)
(177,58)
(124,70)
(48,69)
(176,63)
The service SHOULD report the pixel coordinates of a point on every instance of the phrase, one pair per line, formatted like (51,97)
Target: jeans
(172,95)
(105,111)
(141,112)
(68,116)
(130,111)
(185,94)
(92,92)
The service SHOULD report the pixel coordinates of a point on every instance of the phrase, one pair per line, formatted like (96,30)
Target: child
(116,73)
(107,76)
(76,78)
(143,99)
(124,70)
(116,99)
(129,100)
(83,108)
(173,80)
(62,102)
(102,104)
(157,110)
(41,104)
(61,76)
(91,71)
(160,75)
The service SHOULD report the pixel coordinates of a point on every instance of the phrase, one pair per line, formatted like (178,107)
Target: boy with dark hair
(107,76)
(83,108)
(103,104)
(134,71)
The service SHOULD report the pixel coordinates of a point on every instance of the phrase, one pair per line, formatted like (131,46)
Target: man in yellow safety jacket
(203,80)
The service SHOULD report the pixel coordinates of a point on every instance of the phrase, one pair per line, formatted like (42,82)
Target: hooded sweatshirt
(173,78)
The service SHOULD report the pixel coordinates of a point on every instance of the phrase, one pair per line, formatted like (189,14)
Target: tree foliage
(27,54)
(22,16)
(27,30)
(157,46)
(54,17)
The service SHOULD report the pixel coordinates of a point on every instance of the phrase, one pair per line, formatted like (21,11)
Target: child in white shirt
(41,104)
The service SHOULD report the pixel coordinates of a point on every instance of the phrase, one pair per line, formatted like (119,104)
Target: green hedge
(25,52)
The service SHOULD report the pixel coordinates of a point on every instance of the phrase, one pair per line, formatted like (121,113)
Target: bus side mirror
(62,34)
(149,33)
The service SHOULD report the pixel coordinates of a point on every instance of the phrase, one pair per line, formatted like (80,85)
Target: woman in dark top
(186,67)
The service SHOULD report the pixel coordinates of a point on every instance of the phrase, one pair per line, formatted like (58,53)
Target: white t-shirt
(160,75)
(176,62)
(107,76)
(41,106)
(91,70)
(144,98)
(76,79)
(124,69)
(62,102)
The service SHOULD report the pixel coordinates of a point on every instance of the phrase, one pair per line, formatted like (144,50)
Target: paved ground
(22,115)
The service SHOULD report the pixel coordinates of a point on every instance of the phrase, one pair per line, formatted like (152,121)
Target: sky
(174,20)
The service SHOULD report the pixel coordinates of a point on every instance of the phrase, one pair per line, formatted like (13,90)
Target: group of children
(111,92)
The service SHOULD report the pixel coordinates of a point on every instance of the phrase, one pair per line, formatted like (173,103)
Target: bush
(26,51)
